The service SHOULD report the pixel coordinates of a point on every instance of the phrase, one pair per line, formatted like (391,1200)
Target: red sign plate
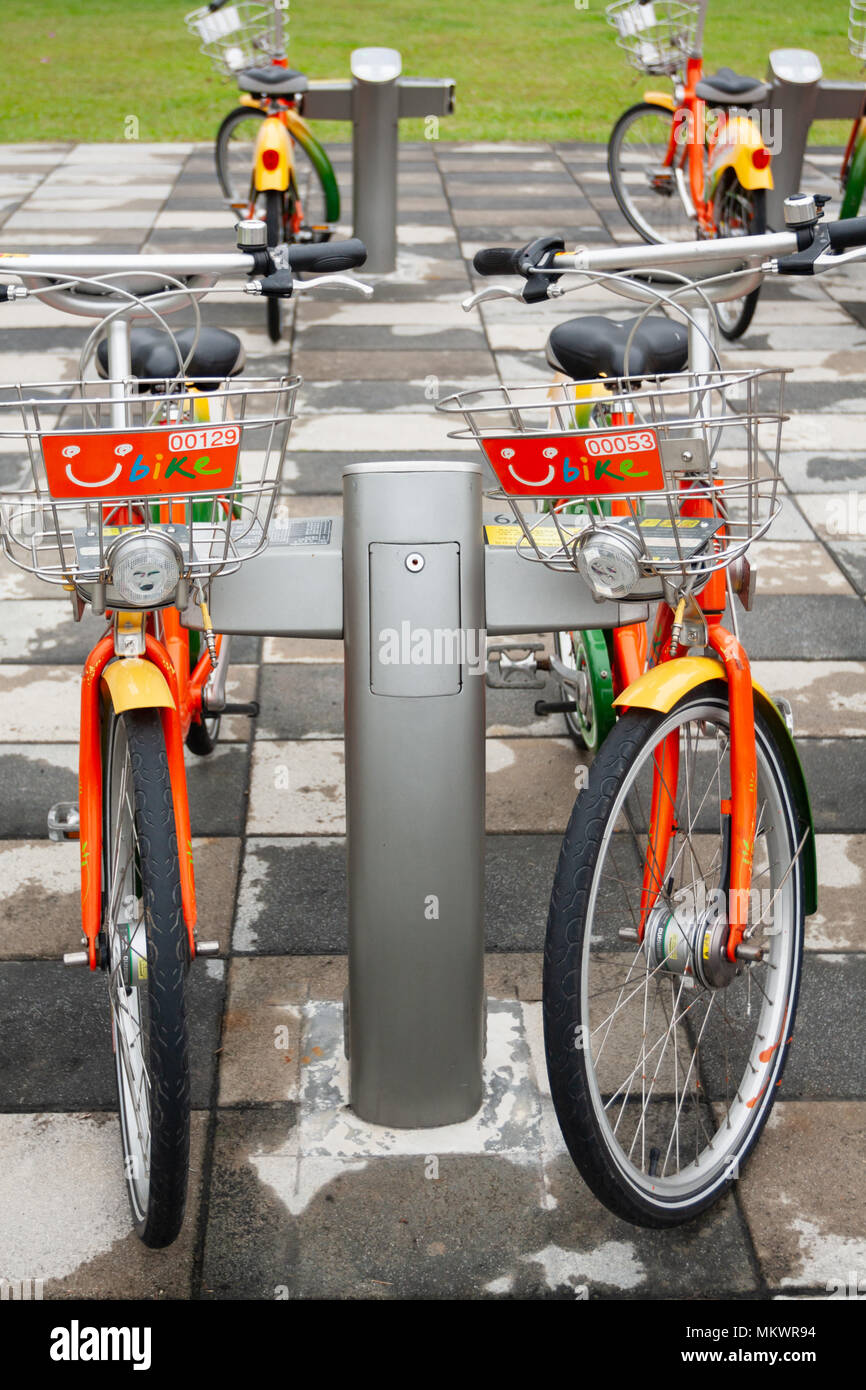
(149,463)
(598,463)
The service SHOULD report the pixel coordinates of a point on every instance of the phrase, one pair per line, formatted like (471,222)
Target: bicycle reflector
(270,158)
(760,157)
(145,568)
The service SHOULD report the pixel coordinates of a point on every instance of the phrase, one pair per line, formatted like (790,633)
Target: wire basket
(683,470)
(857,28)
(238,36)
(656,37)
(83,463)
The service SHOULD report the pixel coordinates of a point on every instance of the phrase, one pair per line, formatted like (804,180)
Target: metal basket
(238,36)
(656,37)
(687,465)
(857,28)
(83,462)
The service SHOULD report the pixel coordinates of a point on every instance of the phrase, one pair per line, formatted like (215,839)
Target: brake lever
(301,286)
(491,292)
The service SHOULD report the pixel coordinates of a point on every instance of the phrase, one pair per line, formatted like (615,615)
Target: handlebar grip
(851,231)
(325,256)
(495,260)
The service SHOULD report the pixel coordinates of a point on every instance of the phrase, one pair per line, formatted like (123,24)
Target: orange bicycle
(693,163)
(138,486)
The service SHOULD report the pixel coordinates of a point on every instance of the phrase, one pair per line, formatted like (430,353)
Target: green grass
(542,69)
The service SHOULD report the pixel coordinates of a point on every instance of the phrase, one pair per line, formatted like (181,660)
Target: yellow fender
(136,684)
(661,99)
(273,139)
(734,151)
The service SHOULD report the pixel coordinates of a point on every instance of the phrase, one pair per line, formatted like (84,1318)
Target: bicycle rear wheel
(148,959)
(644,187)
(738,211)
(315,185)
(663,1058)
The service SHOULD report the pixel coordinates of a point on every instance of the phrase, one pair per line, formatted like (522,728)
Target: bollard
(413,565)
(798,96)
(376,105)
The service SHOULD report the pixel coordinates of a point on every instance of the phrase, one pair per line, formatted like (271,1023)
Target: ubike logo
(599,463)
(145,463)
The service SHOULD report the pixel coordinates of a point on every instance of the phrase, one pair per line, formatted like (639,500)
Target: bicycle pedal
(64,822)
(519,673)
(555,706)
(207,948)
(251,709)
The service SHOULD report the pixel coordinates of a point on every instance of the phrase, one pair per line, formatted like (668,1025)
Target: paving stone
(56,1052)
(808,1233)
(74,1235)
(828,697)
(814,627)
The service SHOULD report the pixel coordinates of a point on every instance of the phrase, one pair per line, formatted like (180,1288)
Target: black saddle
(277,81)
(596,347)
(728,88)
(218,353)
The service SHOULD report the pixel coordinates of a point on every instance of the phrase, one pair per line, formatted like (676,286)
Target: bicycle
(257,143)
(692,163)
(132,497)
(852,175)
(675,933)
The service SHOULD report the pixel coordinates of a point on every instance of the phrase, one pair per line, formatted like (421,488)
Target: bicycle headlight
(609,560)
(145,568)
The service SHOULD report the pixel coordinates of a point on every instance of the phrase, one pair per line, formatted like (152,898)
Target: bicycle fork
(144,680)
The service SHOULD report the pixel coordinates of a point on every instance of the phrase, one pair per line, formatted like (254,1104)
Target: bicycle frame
(728,145)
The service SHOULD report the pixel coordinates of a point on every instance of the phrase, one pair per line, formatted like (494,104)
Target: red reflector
(760,158)
(271,158)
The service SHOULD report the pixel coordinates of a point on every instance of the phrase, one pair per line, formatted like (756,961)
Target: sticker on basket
(599,463)
(152,463)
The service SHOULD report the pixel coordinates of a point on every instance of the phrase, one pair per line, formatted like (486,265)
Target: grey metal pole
(375,113)
(795,74)
(413,576)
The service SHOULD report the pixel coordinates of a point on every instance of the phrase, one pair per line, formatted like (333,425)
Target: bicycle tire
(596,1130)
(275,217)
(153,1007)
(736,324)
(630,205)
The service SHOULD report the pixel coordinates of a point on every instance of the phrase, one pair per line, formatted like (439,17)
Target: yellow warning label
(546,536)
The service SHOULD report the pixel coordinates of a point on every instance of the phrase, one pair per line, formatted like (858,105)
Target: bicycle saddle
(595,347)
(728,88)
(218,353)
(281,82)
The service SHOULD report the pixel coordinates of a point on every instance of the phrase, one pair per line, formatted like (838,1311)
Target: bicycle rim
(667,1082)
(647,193)
(738,211)
(126,941)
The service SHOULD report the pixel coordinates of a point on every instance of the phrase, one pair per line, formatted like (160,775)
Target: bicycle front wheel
(663,1057)
(645,187)
(148,959)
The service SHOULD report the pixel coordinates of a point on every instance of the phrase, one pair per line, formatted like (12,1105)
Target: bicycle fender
(272,136)
(734,151)
(661,99)
(134,683)
(661,687)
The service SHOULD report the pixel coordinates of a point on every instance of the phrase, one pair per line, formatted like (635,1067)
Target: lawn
(78,69)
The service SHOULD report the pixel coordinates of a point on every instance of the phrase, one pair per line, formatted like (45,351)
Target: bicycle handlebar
(850,232)
(325,256)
